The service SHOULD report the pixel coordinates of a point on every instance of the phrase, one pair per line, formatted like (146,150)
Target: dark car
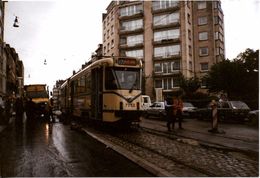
(253,117)
(227,111)
(189,110)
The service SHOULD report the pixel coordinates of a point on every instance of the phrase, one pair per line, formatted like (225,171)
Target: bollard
(214,107)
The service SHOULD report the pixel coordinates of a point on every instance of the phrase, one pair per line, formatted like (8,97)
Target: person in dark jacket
(169,112)
(30,109)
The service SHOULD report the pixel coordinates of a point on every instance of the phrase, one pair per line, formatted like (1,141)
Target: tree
(190,85)
(238,78)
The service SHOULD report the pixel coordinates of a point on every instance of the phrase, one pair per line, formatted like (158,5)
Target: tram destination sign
(126,61)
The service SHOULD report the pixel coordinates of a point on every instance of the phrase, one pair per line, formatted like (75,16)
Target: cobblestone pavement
(181,158)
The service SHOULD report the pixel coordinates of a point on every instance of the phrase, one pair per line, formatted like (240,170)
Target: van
(146,102)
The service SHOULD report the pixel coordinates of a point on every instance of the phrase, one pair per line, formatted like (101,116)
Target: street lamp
(16,22)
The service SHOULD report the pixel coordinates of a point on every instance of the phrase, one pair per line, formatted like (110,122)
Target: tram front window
(122,78)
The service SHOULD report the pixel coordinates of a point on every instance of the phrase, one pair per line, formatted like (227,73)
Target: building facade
(171,38)
(2,60)
(14,72)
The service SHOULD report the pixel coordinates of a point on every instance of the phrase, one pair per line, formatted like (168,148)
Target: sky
(66,33)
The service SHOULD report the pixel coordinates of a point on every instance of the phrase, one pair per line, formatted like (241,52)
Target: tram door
(96,95)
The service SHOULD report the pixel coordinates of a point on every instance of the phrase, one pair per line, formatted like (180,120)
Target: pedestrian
(29,108)
(169,112)
(179,109)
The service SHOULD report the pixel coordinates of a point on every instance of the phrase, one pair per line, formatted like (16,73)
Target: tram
(107,90)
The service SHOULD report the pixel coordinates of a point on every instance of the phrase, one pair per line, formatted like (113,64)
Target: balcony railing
(172,24)
(133,29)
(166,41)
(167,56)
(158,8)
(139,13)
(130,46)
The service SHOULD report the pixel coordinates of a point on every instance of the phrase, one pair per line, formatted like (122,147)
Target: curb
(129,155)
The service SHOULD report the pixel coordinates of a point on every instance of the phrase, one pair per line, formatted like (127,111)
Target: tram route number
(130,105)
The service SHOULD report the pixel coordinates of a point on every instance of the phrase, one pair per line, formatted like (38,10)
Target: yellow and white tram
(108,90)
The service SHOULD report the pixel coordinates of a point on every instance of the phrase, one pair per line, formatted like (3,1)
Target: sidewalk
(238,137)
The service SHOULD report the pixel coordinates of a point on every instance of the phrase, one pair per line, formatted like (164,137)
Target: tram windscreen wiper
(134,85)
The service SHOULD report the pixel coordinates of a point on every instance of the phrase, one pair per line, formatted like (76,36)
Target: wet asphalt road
(32,151)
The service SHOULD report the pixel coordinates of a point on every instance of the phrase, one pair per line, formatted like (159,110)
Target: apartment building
(2,61)
(171,38)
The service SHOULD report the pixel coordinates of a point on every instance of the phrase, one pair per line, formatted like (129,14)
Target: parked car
(227,110)
(189,110)
(157,109)
(253,116)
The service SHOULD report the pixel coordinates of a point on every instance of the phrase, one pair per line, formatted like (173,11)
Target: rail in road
(166,156)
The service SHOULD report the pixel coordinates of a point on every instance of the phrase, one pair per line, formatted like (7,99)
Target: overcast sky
(65,33)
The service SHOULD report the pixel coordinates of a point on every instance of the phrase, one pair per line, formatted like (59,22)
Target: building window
(167,67)
(218,20)
(167,51)
(202,20)
(190,50)
(132,25)
(158,68)
(202,4)
(166,35)
(158,83)
(162,4)
(112,29)
(131,10)
(112,15)
(108,47)
(203,83)
(175,82)
(190,65)
(203,36)
(112,44)
(203,51)
(167,83)
(166,19)
(189,34)
(218,36)
(204,66)
(176,65)
(189,21)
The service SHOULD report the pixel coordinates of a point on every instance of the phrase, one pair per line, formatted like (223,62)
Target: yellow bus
(40,96)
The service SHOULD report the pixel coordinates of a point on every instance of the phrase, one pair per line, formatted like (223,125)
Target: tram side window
(110,82)
(88,83)
(81,85)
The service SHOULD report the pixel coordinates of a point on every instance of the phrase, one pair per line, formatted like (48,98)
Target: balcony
(126,31)
(156,10)
(168,74)
(167,57)
(131,46)
(166,41)
(162,26)
(139,14)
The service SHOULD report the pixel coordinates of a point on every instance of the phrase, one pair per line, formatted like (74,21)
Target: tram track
(173,156)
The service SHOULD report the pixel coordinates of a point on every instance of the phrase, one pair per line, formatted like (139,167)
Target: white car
(188,110)
(157,109)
